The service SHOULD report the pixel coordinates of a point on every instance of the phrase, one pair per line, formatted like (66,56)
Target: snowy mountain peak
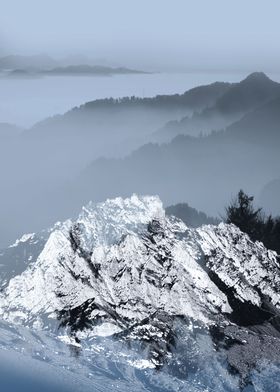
(123,262)
(24,238)
(105,223)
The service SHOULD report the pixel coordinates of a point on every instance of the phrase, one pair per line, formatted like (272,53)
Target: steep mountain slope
(123,268)
(196,98)
(130,270)
(261,126)
(15,259)
(117,125)
(63,145)
(22,253)
(206,171)
(250,93)
(53,158)
(241,98)
(190,216)
(56,150)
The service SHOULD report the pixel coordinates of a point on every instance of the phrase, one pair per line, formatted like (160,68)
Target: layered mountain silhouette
(123,109)
(19,66)
(206,171)
(190,216)
(238,100)
(259,126)
(60,169)
(57,149)
(90,70)
(108,127)
(72,70)
(251,92)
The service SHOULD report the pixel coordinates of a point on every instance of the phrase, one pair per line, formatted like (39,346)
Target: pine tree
(241,212)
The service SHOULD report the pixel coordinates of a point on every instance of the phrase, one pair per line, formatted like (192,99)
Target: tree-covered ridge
(190,216)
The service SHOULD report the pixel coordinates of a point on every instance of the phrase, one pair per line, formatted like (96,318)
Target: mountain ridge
(135,275)
(240,99)
(54,168)
(243,155)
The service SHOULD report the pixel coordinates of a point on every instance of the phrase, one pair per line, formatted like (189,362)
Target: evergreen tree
(242,213)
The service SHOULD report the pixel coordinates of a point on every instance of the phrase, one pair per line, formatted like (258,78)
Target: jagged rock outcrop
(123,268)
(131,261)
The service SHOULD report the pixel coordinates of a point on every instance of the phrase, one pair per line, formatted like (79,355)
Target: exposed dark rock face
(126,270)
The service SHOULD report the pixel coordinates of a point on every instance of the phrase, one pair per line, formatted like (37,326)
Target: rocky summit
(125,269)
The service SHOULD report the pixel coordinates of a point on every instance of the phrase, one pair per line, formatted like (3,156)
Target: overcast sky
(216,34)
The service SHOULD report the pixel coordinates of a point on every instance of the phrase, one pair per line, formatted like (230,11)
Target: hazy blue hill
(194,99)
(130,115)
(55,151)
(110,127)
(259,126)
(91,70)
(206,171)
(191,216)
(247,95)
(269,197)
(241,98)
(43,64)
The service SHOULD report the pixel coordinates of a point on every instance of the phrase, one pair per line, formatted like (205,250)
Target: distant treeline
(190,216)
(196,98)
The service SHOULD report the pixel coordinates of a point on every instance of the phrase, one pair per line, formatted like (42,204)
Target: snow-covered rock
(248,267)
(22,253)
(122,261)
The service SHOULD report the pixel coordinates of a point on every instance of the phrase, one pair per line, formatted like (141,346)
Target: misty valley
(213,139)
(139,233)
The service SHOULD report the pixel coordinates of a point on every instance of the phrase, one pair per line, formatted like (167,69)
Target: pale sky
(216,34)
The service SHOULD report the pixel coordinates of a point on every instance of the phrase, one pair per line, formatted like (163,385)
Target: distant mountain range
(116,126)
(91,70)
(190,216)
(43,65)
(261,125)
(169,289)
(239,99)
(102,149)
(57,149)
(207,171)
(73,70)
